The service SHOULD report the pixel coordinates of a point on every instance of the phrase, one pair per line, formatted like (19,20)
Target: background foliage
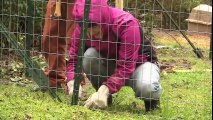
(153,16)
(13,14)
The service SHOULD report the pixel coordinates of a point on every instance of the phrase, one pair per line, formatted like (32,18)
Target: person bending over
(117,54)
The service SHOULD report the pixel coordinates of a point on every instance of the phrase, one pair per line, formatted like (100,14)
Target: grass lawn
(187,95)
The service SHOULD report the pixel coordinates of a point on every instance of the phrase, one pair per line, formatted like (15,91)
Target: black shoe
(152,105)
(109,100)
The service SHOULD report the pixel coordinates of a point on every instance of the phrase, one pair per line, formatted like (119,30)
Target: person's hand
(82,90)
(98,99)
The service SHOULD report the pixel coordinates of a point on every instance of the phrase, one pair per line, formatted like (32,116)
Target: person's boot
(109,100)
(152,105)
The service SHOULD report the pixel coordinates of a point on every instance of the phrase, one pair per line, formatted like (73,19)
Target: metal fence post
(78,69)
(29,27)
(195,50)
(210,53)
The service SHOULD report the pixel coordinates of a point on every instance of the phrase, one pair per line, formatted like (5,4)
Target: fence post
(196,50)
(210,53)
(29,27)
(78,69)
(119,4)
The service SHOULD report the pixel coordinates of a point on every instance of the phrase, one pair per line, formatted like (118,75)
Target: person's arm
(73,53)
(127,56)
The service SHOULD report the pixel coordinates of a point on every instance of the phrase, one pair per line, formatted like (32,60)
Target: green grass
(187,95)
(18,103)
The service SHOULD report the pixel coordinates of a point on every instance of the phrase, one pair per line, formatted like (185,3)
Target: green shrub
(14,16)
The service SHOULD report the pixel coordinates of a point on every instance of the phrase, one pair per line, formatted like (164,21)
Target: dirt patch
(201,41)
(172,65)
(4,82)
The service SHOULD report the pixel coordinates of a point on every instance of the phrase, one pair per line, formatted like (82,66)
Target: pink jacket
(114,22)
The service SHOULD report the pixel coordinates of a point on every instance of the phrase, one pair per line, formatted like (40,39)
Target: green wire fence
(35,70)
